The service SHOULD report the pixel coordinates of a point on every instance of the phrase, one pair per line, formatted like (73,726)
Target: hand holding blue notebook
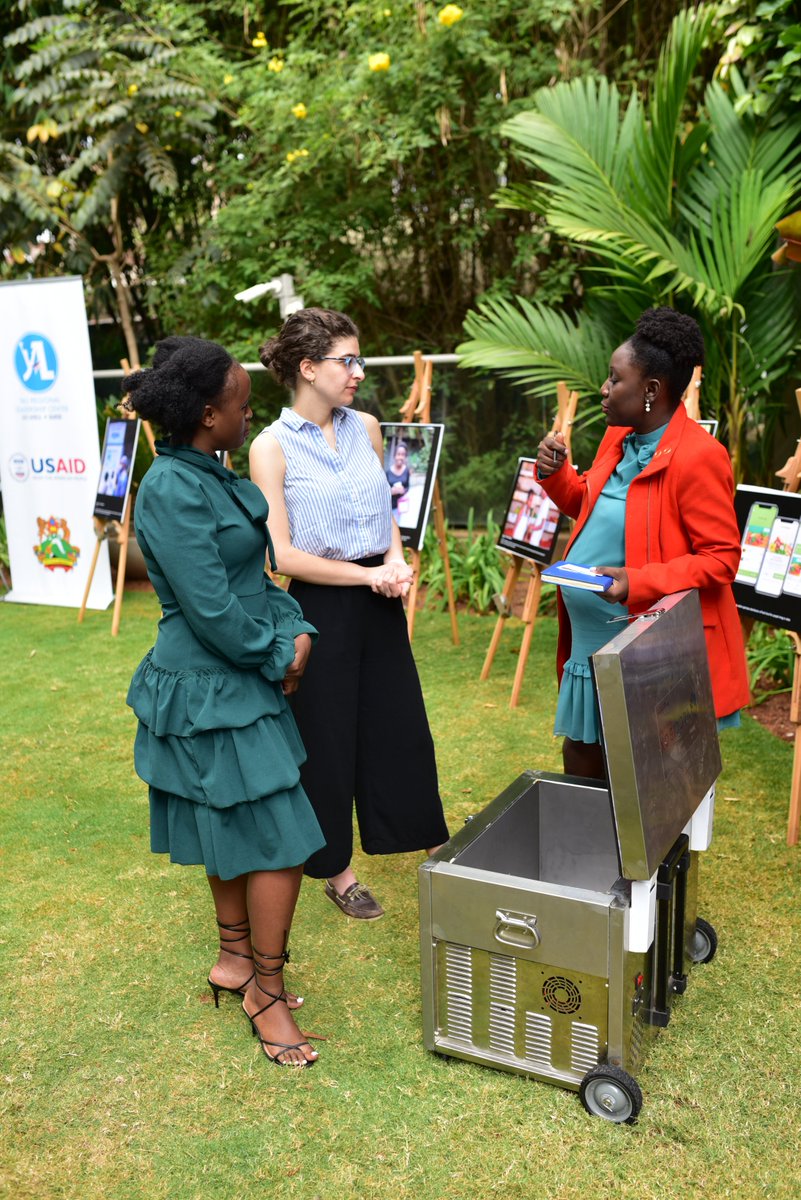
(567,574)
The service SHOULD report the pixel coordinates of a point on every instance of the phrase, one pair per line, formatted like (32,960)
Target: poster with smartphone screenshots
(768,581)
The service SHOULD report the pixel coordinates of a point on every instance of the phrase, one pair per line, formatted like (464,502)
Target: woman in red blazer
(657,507)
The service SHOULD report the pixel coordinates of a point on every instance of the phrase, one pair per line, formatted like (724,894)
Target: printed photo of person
(411,455)
(399,476)
(532,520)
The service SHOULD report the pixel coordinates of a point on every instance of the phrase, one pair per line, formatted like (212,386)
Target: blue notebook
(566,574)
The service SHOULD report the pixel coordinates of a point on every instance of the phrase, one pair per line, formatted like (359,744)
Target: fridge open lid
(658,728)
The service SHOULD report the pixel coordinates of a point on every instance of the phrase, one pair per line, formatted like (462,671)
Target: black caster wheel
(703,943)
(611,1093)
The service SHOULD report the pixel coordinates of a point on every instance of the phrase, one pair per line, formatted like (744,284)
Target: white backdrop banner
(49,445)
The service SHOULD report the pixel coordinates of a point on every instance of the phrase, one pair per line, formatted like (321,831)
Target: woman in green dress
(216,741)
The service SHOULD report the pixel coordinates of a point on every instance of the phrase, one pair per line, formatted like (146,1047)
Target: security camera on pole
(283,286)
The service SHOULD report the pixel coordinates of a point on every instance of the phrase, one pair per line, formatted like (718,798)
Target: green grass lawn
(121,1080)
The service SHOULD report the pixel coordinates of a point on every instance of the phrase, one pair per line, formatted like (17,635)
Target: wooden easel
(566,413)
(118,531)
(418,408)
(791,475)
(690,399)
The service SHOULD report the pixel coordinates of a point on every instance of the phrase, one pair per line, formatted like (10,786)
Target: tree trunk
(115,266)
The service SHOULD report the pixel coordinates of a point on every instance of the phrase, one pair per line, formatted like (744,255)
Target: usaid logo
(36,362)
(21,467)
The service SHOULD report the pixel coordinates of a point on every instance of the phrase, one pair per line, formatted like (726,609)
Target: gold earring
(311,381)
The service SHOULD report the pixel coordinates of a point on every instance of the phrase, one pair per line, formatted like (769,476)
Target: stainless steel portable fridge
(557,926)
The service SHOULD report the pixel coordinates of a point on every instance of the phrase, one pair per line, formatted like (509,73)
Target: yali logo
(36,362)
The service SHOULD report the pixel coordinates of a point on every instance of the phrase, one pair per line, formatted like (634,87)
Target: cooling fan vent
(561,994)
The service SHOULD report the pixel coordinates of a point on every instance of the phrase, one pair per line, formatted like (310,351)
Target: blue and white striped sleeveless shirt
(338,501)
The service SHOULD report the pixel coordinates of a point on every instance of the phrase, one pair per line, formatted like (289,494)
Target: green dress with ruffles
(216,741)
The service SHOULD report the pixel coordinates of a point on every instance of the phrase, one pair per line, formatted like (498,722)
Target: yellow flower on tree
(379,62)
(275,64)
(179,112)
(228,79)
(300,111)
(43,131)
(142,127)
(295,154)
(133,88)
(449,15)
(259,41)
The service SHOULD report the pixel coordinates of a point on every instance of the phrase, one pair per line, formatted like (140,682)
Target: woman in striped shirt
(320,466)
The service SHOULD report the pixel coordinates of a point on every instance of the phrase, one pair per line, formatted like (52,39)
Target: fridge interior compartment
(556,832)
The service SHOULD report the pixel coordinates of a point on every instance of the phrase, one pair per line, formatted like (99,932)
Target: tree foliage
(676,199)
(173,153)
(367,151)
(193,148)
(763,41)
(116,122)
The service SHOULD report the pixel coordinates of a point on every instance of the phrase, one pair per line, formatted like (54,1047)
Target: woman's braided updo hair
(308,333)
(667,345)
(187,374)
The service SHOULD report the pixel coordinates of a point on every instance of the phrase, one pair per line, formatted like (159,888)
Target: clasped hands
(392,579)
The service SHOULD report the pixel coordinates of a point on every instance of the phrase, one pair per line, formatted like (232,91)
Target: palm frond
(739,231)
(575,136)
(527,197)
(771,333)
(537,346)
(738,141)
(658,140)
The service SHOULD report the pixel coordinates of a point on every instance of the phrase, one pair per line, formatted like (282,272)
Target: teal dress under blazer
(216,741)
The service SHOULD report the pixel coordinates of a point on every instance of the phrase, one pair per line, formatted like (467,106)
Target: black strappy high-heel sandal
(242,930)
(266,972)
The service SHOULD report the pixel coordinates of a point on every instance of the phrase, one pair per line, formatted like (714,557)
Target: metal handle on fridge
(517,929)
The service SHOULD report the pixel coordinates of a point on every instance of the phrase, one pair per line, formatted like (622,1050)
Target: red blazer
(681,532)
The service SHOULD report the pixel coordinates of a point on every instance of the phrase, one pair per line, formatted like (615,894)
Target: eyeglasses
(349,361)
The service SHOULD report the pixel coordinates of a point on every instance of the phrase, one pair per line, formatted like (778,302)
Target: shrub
(476,565)
(771,661)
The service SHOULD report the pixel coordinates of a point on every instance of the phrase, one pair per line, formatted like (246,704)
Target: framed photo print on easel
(532,521)
(112,512)
(116,468)
(411,457)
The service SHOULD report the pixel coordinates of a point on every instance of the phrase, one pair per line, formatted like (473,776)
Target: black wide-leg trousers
(363,722)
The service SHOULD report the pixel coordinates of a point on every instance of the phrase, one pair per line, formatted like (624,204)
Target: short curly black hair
(667,345)
(308,333)
(187,374)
